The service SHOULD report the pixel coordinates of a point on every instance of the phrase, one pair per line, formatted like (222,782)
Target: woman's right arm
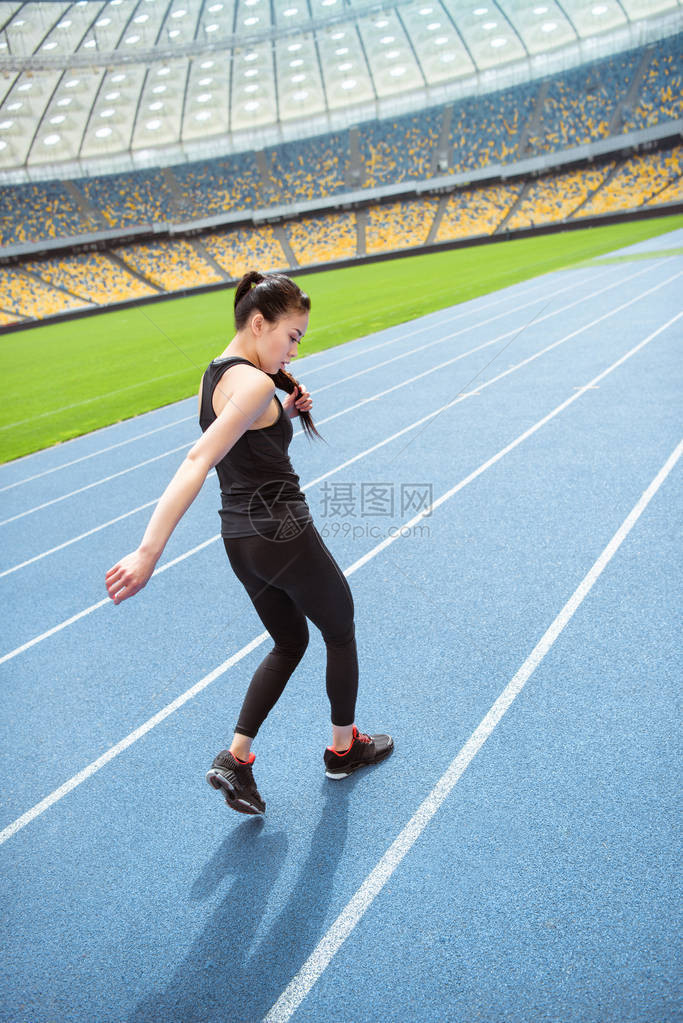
(252,394)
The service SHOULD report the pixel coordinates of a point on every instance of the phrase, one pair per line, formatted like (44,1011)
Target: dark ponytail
(273,295)
(286,382)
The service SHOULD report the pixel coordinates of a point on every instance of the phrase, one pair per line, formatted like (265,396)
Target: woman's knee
(293,642)
(342,633)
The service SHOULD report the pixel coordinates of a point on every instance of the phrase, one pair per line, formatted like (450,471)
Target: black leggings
(289,581)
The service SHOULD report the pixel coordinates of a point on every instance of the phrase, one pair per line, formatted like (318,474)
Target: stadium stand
(218,186)
(8,318)
(478,211)
(125,200)
(92,276)
(577,106)
(488,129)
(636,182)
(172,265)
(321,239)
(307,169)
(661,93)
(30,297)
(672,193)
(400,150)
(623,93)
(580,105)
(36,211)
(555,197)
(246,248)
(399,225)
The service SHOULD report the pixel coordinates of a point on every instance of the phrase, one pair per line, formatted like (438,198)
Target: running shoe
(236,781)
(363,751)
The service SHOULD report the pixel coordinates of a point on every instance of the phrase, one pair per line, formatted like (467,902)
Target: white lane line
(519,440)
(438,324)
(482,323)
(114,751)
(100,603)
(92,768)
(410,334)
(369,369)
(399,433)
(320,958)
(75,539)
(479,303)
(482,386)
(96,483)
(94,454)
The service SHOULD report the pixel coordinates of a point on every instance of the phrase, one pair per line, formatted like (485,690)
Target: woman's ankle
(240,747)
(342,737)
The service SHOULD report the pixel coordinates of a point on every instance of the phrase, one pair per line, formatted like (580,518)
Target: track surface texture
(501,485)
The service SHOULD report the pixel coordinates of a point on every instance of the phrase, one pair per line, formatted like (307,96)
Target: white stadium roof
(94,86)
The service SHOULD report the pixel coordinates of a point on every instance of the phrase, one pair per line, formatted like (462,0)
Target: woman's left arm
(299,401)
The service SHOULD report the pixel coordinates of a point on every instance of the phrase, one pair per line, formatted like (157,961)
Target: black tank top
(259,489)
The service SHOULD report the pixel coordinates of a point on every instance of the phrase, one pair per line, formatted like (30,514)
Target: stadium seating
(555,197)
(661,92)
(399,225)
(39,210)
(33,298)
(478,211)
(400,150)
(580,105)
(307,169)
(321,239)
(636,182)
(171,265)
(217,186)
(488,129)
(125,200)
(246,248)
(91,276)
(672,193)
(8,318)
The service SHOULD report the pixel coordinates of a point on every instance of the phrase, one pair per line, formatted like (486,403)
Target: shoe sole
(337,776)
(221,784)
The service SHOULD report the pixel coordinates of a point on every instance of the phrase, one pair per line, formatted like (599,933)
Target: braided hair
(273,295)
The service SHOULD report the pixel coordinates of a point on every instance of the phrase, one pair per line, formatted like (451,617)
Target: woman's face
(279,340)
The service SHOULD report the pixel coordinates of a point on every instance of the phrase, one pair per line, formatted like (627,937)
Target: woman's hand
(299,401)
(129,575)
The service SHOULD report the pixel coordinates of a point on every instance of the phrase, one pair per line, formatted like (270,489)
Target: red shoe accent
(336,751)
(361,736)
(252,758)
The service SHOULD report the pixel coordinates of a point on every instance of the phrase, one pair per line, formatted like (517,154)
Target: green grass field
(65,379)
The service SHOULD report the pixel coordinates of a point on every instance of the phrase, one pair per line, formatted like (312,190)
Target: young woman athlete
(270,539)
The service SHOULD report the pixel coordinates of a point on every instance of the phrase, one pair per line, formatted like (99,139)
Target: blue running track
(501,484)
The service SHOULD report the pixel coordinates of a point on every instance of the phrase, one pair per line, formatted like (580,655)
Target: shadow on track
(222,978)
